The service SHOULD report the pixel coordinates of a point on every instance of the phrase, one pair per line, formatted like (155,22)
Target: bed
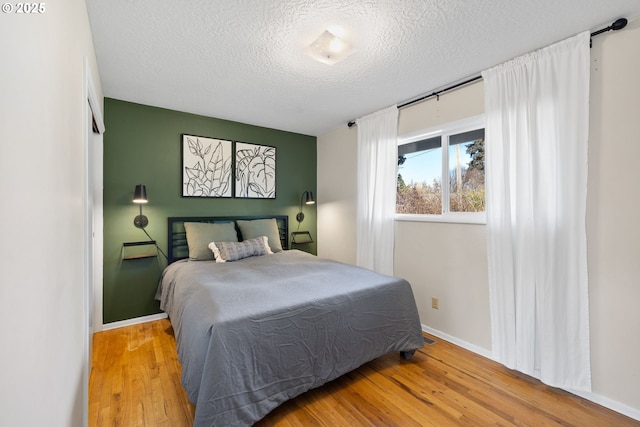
(260,329)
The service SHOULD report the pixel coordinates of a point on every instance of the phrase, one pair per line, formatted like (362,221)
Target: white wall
(41,219)
(336,194)
(613,206)
(449,260)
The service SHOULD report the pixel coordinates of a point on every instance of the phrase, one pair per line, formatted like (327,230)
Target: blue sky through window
(426,165)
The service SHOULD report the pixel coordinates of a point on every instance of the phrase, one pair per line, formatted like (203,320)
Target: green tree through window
(421,178)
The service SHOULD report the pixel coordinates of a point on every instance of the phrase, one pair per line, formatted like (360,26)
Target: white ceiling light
(329,48)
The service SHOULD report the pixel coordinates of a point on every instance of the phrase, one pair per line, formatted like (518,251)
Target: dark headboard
(177,238)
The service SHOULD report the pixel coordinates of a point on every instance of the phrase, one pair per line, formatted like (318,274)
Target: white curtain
(537,109)
(377,178)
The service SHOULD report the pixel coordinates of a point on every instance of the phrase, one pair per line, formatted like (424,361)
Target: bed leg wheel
(407,354)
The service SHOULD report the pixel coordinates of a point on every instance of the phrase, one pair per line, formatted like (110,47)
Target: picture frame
(207,166)
(255,171)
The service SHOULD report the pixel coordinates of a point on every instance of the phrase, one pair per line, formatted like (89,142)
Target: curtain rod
(617,25)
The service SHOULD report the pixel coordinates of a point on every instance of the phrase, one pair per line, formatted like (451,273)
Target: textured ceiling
(244,60)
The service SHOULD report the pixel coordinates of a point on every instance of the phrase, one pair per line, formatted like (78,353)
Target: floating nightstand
(299,237)
(139,255)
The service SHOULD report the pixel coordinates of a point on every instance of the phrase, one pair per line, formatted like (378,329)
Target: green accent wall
(142,145)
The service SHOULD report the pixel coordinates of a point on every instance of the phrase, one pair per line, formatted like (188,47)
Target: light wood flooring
(135,381)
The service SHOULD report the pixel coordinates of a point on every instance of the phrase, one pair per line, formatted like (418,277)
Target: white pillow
(233,251)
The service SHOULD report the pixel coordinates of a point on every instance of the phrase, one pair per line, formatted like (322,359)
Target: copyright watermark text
(24,8)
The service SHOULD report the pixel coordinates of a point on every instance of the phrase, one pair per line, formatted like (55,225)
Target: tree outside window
(425,187)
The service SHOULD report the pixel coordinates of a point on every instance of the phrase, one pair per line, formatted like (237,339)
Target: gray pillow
(200,234)
(261,227)
(233,251)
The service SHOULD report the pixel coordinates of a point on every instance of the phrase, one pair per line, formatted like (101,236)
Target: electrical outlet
(434,303)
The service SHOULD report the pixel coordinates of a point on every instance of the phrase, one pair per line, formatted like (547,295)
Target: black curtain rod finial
(619,24)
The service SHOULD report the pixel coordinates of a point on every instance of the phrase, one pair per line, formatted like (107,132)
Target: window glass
(419,177)
(441,174)
(466,172)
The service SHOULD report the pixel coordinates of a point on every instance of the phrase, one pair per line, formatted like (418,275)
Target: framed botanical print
(207,165)
(255,171)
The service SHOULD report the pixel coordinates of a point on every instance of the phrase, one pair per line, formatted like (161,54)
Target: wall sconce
(301,237)
(141,221)
(140,197)
(306,199)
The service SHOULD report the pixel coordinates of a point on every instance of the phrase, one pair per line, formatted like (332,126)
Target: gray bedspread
(255,333)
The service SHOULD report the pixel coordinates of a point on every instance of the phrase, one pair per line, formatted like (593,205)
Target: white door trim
(93,127)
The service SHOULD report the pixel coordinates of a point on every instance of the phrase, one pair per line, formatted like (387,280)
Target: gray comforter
(254,333)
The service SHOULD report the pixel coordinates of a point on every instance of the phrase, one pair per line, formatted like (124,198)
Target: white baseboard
(460,343)
(135,321)
(620,408)
(593,397)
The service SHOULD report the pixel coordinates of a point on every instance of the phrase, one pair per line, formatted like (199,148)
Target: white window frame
(452,128)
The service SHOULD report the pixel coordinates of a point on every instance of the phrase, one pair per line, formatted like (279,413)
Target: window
(441,174)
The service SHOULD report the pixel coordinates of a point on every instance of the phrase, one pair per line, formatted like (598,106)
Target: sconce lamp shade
(140,195)
(307,199)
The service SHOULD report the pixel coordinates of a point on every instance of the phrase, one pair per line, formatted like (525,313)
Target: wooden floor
(135,381)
